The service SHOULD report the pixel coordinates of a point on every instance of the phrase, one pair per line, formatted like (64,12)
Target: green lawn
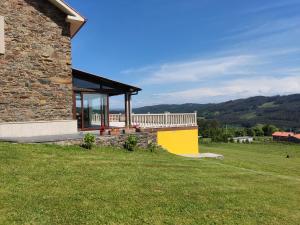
(254,184)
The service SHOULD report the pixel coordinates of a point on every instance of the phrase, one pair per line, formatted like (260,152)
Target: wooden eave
(73,17)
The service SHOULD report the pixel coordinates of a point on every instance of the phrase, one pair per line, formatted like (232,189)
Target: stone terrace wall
(144,138)
(118,141)
(35,71)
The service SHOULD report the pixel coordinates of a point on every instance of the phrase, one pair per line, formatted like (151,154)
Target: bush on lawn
(89,141)
(152,147)
(131,143)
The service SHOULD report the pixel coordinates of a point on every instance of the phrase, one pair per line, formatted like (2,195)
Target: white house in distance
(243,139)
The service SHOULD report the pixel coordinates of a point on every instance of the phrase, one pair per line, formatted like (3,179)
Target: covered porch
(91,107)
(91,95)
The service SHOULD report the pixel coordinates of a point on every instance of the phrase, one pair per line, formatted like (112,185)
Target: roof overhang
(73,17)
(120,88)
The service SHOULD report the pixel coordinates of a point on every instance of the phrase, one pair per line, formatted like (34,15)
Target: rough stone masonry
(35,71)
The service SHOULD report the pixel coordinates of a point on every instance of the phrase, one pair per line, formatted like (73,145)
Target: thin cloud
(266,29)
(261,58)
(196,70)
(142,70)
(274,6)
(239,88)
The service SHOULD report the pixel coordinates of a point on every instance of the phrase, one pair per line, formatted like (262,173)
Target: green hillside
(282,111)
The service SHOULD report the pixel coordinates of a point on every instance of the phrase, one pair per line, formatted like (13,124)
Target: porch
(92,110)
(91,97)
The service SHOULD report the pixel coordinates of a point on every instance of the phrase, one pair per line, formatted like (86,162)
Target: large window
(91,110)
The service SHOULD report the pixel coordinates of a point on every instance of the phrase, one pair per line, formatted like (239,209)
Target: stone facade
(36,73)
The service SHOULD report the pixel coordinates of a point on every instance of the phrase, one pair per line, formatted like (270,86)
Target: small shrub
(131,143)
(89,141)
(152,147)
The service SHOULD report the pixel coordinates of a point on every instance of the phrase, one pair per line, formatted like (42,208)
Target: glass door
(95,113)
(78,110)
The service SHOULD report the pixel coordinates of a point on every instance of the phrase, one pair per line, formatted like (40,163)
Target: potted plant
(137,128)
(129,130)
(115,131)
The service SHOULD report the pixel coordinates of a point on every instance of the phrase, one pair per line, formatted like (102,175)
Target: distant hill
(282,111)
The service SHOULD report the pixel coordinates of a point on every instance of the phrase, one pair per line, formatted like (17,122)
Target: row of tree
(221,133)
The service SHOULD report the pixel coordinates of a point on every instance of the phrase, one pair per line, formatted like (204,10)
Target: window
(2,43)
(80,83)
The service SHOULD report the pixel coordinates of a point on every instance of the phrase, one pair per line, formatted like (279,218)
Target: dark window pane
(79,83)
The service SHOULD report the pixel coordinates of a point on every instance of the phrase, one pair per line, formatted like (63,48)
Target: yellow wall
(179,141)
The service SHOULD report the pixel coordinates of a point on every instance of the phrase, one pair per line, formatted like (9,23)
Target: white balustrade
(152,120)
(164,120)
(96,119)
(116,118)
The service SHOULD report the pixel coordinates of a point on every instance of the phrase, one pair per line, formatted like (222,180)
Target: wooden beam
(128,110)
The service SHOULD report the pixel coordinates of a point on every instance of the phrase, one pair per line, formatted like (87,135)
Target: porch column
(128,110)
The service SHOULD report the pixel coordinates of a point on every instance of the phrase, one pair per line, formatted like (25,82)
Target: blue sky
(198,51)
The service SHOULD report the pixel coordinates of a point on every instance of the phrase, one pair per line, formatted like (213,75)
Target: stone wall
(144,138)
(35,71)
(118,141)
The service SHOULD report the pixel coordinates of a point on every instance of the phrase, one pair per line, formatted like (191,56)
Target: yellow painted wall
(179,141)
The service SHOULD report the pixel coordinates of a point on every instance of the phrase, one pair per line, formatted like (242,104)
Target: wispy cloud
(224,78)
(261,57)
(266,29)
(195,70)
(274,5)
(238,88)
(221,67)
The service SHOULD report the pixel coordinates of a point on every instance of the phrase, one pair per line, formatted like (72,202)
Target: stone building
(37,95)
(41,95)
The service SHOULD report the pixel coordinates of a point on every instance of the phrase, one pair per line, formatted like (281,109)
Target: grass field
(254,184)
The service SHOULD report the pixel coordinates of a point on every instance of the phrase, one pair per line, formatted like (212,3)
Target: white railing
(151,120)
(96,117)
(164,120)
(116,118)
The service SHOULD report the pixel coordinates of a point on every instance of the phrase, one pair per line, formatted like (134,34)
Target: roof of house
(297,136)
(283,134)
(73,17)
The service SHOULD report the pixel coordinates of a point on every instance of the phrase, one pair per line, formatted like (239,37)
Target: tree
(250,132)
(219,135)
(240,132)
(206,127)
(269,129)
(258,130)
